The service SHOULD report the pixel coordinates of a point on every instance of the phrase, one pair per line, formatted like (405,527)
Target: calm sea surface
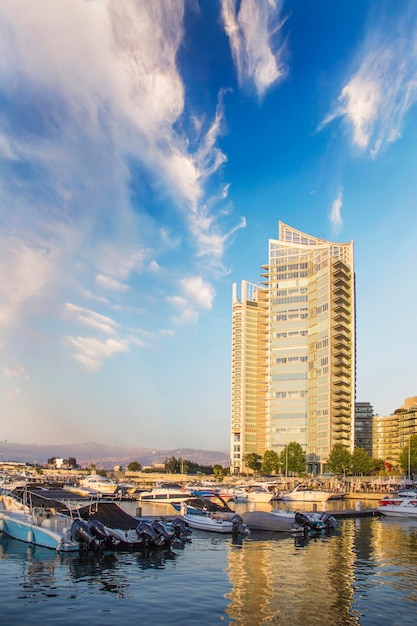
(365,574)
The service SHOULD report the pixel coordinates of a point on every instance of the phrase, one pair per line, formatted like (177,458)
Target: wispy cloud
(377,96)
(15,372)
(101,323)
(90,352)
(107,111)
(25,272)
(199,291)
(336,213)
(110,283)
(196,294)
(253,31)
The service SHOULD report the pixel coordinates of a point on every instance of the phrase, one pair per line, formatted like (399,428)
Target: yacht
(99,484)
(165,493)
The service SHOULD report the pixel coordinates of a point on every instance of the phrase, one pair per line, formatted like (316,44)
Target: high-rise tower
(293,351)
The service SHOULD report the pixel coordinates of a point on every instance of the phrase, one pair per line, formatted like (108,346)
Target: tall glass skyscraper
(293,351)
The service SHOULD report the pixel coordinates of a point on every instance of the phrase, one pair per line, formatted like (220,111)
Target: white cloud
(335,213)
(187,316)
(252,32)
(5,149)
(198,290)
(110,283)
(25,273)
(90,318)
(196,293)
(154,266)
(106,92)
(15,372)
(378,95)
(167,332)
(91,352)
(177,301)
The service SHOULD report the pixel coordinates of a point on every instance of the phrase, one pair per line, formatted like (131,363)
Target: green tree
(218,472)
(252,460)
(293,459)
(408,456)
(172,465)
(270,462)
(362,463)
(134,466)
(379,465)
(340,459)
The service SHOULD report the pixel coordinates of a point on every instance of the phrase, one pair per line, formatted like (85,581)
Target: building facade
(364,413)
(392,433)
(293,351)
(385,439)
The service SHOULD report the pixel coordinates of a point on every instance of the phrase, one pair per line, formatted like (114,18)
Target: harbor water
(364,573)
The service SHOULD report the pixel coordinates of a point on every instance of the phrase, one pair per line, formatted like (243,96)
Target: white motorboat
(95,483)
(215,524)
(399,506)
(165,493)
(302,493)
(237,494)
(259,494)
(37,526)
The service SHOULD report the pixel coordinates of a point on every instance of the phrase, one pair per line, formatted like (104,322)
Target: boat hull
(164,498)
(200,522)
(261,520)
(404,509)
(307,496)
(18,528)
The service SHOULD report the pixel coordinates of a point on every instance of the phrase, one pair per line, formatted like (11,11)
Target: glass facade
(302,330)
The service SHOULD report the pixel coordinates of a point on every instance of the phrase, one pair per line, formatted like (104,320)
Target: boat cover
(109,514)
(212,506)
(261,520)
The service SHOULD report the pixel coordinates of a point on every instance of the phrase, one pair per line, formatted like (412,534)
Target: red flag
(388,466)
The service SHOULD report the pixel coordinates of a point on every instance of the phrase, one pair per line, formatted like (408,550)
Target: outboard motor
(80,532)
(180,528)
(147,534)
(303,521)
(167,533)
(329,521)
(98,531)
(239,528)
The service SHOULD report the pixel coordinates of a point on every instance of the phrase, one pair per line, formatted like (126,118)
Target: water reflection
(106,572)
(365,573)
(292,580)
(356,576)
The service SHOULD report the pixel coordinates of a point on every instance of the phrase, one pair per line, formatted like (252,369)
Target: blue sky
(147,152)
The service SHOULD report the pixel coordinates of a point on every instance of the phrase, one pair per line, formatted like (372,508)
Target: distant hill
(105,456)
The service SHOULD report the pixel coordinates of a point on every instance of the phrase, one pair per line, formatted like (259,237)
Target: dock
(355,513)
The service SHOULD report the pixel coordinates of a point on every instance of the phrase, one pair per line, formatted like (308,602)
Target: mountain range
(107,456)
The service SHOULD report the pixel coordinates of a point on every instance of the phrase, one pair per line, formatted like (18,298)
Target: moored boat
(165,493)
(129,532)
(95,483)
(261,520)
(259,494)
(202,506)
(40,526)
(302,493)
(308,520)
(399,506)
